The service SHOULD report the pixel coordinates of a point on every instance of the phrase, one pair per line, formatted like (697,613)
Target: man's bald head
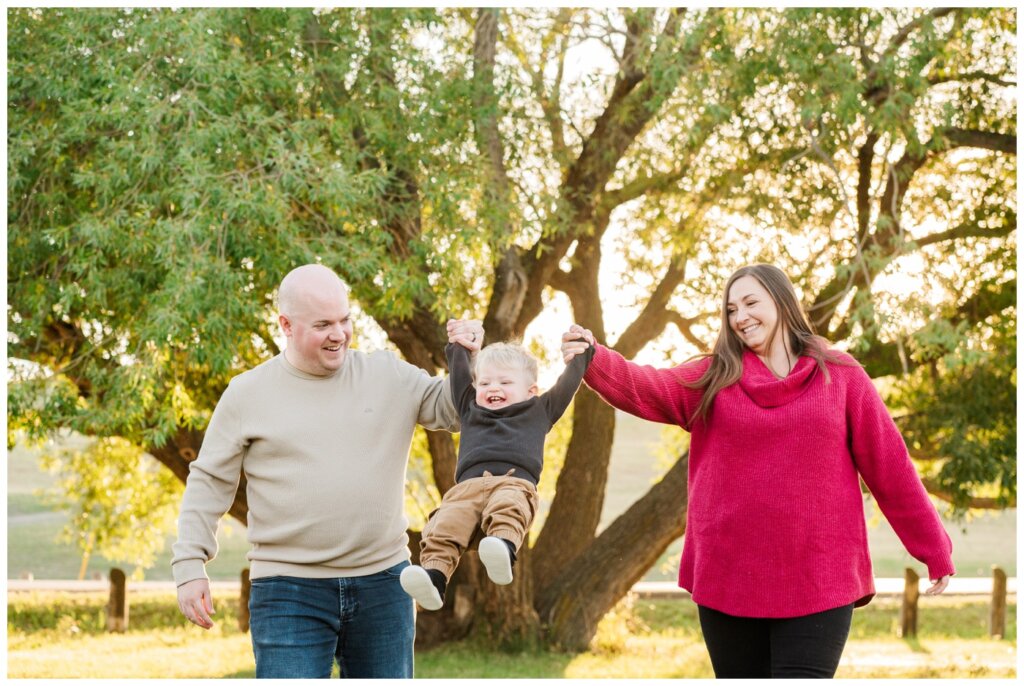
(314,315)
(309,279)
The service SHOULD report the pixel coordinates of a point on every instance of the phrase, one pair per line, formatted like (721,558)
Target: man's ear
(286,325)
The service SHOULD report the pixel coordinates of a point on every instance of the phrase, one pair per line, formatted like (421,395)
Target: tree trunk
(454,620)
(575,601)
(443,459)
(505,616)
(576,509)
(178,453)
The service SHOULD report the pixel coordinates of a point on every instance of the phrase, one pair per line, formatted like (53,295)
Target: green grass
(61,635)
(32,545)
(25,504)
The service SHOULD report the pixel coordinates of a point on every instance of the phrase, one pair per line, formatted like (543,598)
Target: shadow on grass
(915,645)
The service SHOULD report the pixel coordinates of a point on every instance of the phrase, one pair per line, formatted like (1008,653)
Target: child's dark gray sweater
(511,437)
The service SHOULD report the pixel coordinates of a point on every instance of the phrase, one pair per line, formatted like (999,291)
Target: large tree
(166,168)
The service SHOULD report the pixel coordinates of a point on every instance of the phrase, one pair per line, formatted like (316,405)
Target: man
(322,434)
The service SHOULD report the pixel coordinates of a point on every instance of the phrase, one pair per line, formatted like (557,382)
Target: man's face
(319,331)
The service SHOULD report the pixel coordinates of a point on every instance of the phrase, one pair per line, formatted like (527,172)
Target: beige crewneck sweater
(324,460)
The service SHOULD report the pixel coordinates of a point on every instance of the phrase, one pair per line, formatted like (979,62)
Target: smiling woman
(783,428)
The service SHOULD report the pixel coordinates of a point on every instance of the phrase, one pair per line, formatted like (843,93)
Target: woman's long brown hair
(727,356)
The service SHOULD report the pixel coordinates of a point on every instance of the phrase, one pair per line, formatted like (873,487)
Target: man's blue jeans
(300,626)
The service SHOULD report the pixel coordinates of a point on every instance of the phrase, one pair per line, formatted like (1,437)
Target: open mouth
(493,399)
(746,331)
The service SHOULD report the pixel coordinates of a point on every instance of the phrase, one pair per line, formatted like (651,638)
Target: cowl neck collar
(766,390)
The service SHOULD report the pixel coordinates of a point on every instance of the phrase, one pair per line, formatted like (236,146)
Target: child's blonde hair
(507,356)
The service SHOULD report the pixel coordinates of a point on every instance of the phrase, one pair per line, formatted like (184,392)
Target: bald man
(322,435)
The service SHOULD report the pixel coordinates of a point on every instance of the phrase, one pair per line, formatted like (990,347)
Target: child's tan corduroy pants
(501,506)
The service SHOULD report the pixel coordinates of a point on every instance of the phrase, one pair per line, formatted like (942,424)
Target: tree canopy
(167,167)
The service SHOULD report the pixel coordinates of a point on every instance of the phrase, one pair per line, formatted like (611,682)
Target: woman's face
(752,313)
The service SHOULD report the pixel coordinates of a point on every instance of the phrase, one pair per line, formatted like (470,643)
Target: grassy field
(32,526)
(60,635)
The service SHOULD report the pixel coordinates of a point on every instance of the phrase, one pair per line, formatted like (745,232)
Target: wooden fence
(117,608)
(911,595)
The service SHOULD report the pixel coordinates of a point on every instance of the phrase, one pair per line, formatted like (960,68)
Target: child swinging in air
(501,454)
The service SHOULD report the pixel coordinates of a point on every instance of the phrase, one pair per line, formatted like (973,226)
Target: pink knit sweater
(775,521)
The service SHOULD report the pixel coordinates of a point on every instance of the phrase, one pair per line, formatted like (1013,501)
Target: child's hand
(469,333)
(576,341)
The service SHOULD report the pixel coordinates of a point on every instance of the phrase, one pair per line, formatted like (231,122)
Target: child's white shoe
(417,583)
(495,555)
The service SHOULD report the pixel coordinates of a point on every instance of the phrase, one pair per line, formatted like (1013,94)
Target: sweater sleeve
(209,490)
(461,377)
(434,394)
(883,461)
(654,394)
(558,397)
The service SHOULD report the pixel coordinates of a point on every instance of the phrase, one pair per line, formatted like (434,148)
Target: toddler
(501,454)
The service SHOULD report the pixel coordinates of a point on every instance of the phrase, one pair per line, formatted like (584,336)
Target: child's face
(498,387)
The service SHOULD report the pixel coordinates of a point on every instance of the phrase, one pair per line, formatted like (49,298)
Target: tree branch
(509,286)
(937,78)
(971,229)
(419,337)
(655,316)
(876,93)
(684,323)
(974,138)
(887,236)
(549,101)
(178,453)
(634,100)
(903,34)
(865,158)
(486,106)
(638,187)
(883,359)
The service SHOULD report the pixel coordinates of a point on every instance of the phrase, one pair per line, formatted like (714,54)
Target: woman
(776,553)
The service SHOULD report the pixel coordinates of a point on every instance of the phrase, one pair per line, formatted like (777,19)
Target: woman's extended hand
(938,586)
(575,341)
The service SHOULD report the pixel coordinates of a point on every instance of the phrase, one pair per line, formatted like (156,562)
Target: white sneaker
(416,582)
(494,555)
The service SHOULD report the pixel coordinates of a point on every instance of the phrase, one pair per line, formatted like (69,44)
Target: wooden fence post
(117,608)
(997,620)
(243,603)
(908,612)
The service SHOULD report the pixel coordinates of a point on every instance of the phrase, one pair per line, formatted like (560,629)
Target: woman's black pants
(796,647)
